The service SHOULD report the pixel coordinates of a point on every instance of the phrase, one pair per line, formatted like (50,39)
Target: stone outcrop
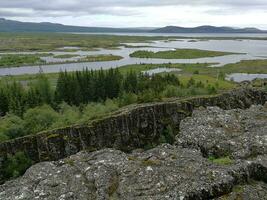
(166,172)
(192,168)
(137,127)
(240,134)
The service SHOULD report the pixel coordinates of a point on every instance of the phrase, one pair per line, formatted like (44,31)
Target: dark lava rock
(235,133)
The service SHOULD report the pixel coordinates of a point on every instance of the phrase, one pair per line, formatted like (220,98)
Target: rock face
(181,171)
(132,128)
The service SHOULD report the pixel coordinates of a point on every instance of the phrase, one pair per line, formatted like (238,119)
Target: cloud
(134,11)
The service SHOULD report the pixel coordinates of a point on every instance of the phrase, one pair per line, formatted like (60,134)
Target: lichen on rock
(217,154)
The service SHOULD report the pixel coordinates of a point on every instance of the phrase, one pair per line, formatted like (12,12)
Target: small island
(179,54)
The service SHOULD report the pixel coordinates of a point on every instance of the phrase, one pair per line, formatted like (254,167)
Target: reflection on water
(252,49)
(239,77)
(160,70)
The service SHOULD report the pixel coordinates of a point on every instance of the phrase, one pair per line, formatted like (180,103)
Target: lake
(251,49)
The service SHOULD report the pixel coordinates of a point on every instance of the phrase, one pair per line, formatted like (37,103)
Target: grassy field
(179,54)
(66,56)
(99,58)
(91,58)
(14,42)
(20,60)
(200,72)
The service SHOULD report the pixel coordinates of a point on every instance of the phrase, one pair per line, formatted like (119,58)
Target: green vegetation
(15,165)
(66,56)
(99,58)
(179,54)
(53,41)
(33,103)
(222,161)
(16,60)
(247,66)
(91,58)
(83,96)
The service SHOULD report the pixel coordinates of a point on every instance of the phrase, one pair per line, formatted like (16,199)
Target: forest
(78,97)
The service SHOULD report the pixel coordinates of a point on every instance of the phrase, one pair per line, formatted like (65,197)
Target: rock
(236,133)
(253,190)
(218,154)
(166,172)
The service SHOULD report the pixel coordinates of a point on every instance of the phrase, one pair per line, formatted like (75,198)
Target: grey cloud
(116,7)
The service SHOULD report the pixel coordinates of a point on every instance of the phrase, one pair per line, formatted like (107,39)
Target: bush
(212,89)
(167,135)
(171,91)
(191,82)
(95,110)
(148,96)
(11,126)
(16,165)
(40,118)
(68,115)
(127,99)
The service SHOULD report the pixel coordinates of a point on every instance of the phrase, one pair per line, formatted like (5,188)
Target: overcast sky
(139,13)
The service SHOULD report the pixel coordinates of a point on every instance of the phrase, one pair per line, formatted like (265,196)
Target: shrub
(171,91)
(16,165)
(40,118)
(211,89)
(95,110)
(127,99)
(11,126)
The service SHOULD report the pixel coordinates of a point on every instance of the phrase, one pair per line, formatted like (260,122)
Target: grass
(200,72)
(16,60)
(16,42)
(179,54)
(99,58)
(247,66)
(222,161)
(19,60)
(66,56)
(205,74)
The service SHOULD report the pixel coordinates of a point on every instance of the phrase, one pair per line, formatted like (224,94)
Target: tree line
(81,87)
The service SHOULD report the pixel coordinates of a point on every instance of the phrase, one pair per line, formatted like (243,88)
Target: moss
(132,158)
(69,162)
(91,149)
(53,136)
(150,162)
(222,161)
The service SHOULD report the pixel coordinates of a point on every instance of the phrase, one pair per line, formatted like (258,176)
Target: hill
(206,29)
(17,26)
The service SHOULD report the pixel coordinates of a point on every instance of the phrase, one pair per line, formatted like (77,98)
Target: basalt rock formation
(138,127)
(183,171)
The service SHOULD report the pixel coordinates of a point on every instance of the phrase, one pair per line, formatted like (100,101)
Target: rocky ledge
(218,154)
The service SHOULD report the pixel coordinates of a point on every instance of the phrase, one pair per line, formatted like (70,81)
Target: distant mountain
(17,26)
(206,29)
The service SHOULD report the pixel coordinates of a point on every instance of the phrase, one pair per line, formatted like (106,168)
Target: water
(250,49)
(160,70)
(240,77)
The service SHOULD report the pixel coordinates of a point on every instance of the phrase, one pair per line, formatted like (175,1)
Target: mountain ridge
(18,26)
(207,29)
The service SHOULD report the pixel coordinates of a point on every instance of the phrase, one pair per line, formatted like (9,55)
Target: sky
(139,13)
